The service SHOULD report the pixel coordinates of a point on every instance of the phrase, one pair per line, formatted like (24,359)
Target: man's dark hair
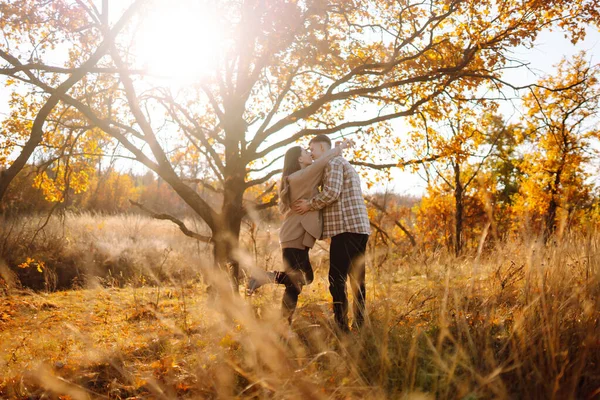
(321,139)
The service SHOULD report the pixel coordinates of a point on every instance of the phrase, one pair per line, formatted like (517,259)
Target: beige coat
(304,185)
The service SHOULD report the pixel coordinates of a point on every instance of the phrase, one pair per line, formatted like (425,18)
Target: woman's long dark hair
(290,165)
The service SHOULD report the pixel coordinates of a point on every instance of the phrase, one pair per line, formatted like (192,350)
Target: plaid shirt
(341,200)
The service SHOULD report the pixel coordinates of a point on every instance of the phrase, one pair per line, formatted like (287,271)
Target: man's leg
(339,264)
(307,270)
(356,246)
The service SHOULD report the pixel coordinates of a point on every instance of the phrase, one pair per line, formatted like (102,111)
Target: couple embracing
(338,212)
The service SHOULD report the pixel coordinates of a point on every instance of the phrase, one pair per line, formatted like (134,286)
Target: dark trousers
(297,273)
(347,258)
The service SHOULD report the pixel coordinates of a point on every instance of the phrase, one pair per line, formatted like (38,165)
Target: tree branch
(266,165)
(354,124)
(383,232)
(184,229)
(399,164)
(204,184)
(69,71)
(413,242)
(263,179)
(262,206)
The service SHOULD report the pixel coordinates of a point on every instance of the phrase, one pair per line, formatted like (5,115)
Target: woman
(300,179)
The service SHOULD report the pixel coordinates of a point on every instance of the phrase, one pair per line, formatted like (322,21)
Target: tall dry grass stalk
(520,321)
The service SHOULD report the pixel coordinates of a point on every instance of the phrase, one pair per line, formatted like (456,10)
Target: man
(345,220)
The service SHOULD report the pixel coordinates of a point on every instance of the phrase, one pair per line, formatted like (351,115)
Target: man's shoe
(256,282)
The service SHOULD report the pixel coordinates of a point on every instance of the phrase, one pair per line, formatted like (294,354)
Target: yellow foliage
(30,262)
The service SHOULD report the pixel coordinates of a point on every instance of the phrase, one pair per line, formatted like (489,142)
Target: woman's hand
(345,144)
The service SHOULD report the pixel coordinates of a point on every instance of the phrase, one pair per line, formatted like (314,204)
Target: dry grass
(521,322)
(86,250)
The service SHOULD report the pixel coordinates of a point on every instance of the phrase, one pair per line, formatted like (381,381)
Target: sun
(179,41)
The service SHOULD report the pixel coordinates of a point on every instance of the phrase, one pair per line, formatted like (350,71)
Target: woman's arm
(317,167)
(320,163)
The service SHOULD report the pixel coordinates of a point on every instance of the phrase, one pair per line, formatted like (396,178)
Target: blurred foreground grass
(495,328)
(522,321)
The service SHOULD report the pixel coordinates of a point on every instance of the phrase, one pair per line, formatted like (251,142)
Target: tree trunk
(227,235)
(458,215)
(223,246)
(550,218)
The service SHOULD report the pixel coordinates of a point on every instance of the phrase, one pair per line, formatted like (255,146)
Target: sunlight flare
(179,41)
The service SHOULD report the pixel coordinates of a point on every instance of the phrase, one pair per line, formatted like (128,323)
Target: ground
(522,322)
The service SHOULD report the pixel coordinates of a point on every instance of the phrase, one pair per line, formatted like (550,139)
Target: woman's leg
(297,272)
(294,278)
(295,260)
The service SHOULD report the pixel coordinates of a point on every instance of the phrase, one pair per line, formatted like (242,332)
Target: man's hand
(301,206)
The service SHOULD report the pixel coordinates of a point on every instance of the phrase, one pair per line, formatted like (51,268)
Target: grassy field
(522,321)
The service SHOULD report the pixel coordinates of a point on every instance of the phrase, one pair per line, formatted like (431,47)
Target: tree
(43,26)
(560,128)
(287,70)
(463,144)
(501,178)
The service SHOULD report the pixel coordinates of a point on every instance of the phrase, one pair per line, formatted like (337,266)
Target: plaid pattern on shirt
(341,200)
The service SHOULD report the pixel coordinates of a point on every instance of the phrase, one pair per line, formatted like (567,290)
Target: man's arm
(333,179)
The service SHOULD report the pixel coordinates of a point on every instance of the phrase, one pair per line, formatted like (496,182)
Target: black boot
(256,282)
(341,317)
